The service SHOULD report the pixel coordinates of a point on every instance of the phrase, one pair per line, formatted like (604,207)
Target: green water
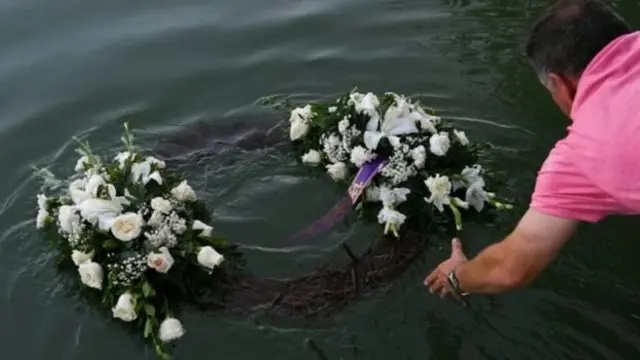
(76,68)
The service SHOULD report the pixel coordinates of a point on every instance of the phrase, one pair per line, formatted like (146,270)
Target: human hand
(437,281)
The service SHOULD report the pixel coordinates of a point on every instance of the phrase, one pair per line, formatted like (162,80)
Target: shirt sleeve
(563,191)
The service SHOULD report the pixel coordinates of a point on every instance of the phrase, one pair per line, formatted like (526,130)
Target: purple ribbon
(363,178)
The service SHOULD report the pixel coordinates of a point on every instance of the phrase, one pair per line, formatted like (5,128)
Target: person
(588,58)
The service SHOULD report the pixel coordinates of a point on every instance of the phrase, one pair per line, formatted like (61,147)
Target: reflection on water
(72,69)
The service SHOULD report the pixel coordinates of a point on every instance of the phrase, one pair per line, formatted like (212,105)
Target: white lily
(392,219)
(440,188)
(476,196)
(392,197)
(398,120)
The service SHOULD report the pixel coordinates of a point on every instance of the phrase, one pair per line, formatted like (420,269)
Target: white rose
(440,188)
(462,137)
(343,125)
(91,274)
(209,257)
(161,262)
(332,109)
(92,209)
(312,158)
(439,143)
(303,114)
(65,218)
(161,205)
(419,156)
(80,257)
(171,329)
(125,308)
(205,230)
(42,218)
(298,130)
(77,191)
(81,164)
(338,171)
(127,227)
(184,192)
(93,184)
(43,202)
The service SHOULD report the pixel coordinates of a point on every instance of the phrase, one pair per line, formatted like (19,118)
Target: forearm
(491,271)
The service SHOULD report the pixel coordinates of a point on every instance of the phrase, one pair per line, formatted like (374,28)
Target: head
(565,40)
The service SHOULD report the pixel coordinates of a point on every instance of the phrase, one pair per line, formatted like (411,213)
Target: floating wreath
(137,235)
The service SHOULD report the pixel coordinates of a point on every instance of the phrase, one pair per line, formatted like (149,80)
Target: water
(73,68)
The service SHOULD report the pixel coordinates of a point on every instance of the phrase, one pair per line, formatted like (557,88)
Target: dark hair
(570,34)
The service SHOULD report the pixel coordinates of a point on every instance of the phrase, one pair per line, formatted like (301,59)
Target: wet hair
(570,34)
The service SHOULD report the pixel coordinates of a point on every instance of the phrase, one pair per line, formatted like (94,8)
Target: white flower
(397,121)
(312,158)
(80,257)
(298,130)
(338,171)
(65,218)
(161,262)
(171,329)
(77,191)
(184,192)
(372,194)
(343,125)
(42,202)
(205,230)
(332,109)
(360,155)
(161,205)
(122,158)
(125,308)
(392,219)
(127,227)
(439,143)
(392,197)
(93,209)
(81,164)
(462,137)
(476,196)
(472,174)
(209,257)
(41,219)
(93,185)
(141,172)
(91,274)
(419,156)
(301,114)
(440,188)
(366,104)
(158,163)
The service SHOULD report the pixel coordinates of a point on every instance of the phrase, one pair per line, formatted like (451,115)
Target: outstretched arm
(509,264)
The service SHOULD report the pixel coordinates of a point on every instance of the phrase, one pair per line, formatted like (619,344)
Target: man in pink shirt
(589,60)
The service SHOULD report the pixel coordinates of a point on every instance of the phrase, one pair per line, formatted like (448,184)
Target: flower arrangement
(137,235)
(428,169)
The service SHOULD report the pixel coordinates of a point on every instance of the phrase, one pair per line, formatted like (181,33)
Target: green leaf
(111,244)
(147,289)
(147,328)
(150,310)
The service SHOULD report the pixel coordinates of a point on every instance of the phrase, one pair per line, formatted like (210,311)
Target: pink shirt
(595,170)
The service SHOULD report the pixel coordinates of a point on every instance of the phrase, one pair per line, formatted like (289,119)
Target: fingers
(456,246)
(431,278)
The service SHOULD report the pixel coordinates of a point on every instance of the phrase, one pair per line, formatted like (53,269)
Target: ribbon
(363,178)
